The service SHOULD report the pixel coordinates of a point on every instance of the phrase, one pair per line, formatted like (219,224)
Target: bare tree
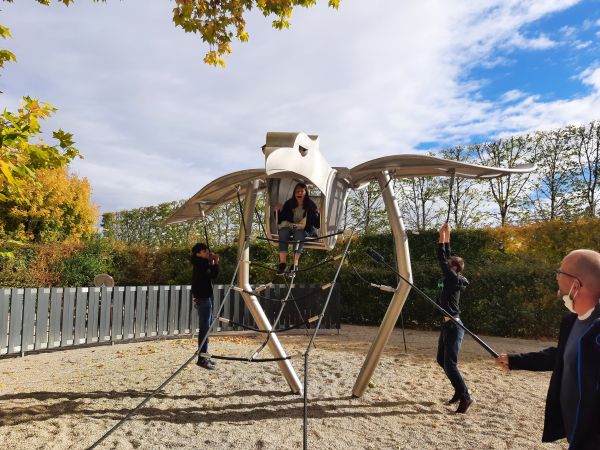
(508,192)
(419,201)
(551,197)
(365,211)
(587,148)
(467,194)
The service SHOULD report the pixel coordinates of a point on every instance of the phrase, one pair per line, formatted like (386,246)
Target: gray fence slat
(105,308)
(42,317)
(174,300)
(194,317)
(93,315)
(68,330)
(117,313)
(184,311)
(163,310)
(55,315)
(16,320)
(151,323)
(141,299)
(4,302)
(81,312)
(218,293)
(247,317)
(49,318)
(27,338)
(227,309)
(237,305)
(272,307)
(129,313)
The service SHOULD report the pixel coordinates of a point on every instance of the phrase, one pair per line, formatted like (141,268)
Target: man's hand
(214,258)
(444,233)
(502,361)
(276,206)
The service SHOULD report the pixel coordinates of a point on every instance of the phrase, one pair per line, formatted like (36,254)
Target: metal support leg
(402,290)
(251,301)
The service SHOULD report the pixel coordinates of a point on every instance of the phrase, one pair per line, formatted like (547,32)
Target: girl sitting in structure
(297,219)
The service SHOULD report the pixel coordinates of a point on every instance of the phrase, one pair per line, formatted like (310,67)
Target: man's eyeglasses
(560,272)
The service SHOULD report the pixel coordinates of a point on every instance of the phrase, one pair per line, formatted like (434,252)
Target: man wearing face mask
(573,400)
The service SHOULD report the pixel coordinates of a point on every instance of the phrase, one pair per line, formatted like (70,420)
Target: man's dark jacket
(313,218)
(202,275)
(588,412)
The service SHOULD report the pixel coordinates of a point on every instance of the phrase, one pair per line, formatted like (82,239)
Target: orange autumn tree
(54,208)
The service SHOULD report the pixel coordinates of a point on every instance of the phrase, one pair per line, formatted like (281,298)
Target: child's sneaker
(281,268)
(206,364)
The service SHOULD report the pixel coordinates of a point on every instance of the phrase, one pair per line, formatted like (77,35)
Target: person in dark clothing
(451,335)
(297,219)
(573,400)
(205,269)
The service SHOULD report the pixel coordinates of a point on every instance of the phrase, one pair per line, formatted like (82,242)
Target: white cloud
(582,44)
(512,95)
(591,76)
(568,31)
(374,78)
(538,43)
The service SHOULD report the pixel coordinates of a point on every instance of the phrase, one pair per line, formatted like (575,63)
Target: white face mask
(566,298)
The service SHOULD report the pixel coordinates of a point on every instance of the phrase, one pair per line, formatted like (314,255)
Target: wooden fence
(53,318)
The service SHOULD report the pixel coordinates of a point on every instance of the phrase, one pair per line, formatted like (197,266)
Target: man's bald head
(585,264)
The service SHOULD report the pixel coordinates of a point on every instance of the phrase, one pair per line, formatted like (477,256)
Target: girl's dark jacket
(313,218)
(587,425)
(202,275)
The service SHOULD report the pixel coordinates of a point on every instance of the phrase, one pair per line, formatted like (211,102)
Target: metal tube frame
(399,298)
(250,300)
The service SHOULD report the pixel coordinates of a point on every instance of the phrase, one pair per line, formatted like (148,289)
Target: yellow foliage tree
(217,22)
(54,208)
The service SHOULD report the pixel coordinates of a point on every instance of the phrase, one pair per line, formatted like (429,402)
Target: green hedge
(512,289)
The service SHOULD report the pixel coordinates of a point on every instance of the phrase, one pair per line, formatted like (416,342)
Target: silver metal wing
(410,165)
(217,192)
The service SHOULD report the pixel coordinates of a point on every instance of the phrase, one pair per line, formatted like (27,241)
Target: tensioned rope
(132,412)
(308,239)
(260,221)
(252,357)
(318,326)
(278,300)
(283,302)
(314,335)
(452,173)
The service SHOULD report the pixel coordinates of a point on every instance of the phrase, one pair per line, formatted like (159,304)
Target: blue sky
(372,79)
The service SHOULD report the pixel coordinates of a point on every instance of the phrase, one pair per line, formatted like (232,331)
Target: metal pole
(305,428)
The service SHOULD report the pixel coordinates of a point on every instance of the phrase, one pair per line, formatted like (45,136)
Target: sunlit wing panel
(408,166)
(217,192)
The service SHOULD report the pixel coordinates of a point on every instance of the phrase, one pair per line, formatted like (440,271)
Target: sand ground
(69,399)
